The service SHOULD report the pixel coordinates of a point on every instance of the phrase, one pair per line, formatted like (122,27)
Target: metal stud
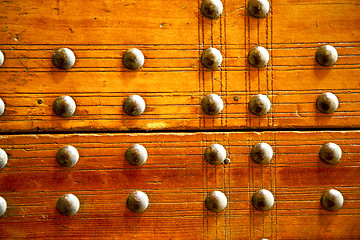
(330,153)
(262,153)
(63,58)
(258,8)
(64,106)
(211,58)
(327,103)
(259,105)
(68,204)
(263,200)
(136,155)
(67,156)
(332,200)
(258,57)
(3,158)
(216,201)
(2,107)
(137,201)
(133,59)
(3,206)
(215,154)
(211,8)
(2,58)
(134,105)
(212,104)
(326,55)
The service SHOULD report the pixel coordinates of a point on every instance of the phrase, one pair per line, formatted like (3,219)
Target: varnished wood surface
(172,36)
(176,178)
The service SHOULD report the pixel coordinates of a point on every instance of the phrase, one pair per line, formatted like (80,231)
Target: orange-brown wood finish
(177,178)
(172,36)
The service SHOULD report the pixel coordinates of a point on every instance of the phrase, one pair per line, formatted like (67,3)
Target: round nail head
(3,158)
(67,156)
(133,59)
(136,155)
(327,103)
(332,200)
(137,202)
(63,58)
(134,105)
(3,206)
(2,107)
(68,204)
(212,104)
(330,153)
(211,58)
(211,8)
(215,154)
(326,55)
(64,106)
(259,105)
(2,58)
(258,8)
(262,153)
(263,200)
(258,57)
(216,201)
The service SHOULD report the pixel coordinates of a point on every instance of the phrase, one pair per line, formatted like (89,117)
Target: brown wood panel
(173,81)
(176,178)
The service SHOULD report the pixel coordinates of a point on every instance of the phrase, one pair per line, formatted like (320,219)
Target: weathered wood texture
(176,178)
(172,36)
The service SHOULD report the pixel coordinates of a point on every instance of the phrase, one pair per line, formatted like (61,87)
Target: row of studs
(136,154)
(211,58)
(214,8)
(212,104)
(216,201)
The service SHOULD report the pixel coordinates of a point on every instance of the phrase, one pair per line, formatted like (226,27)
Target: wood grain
(177,178)
(172,37)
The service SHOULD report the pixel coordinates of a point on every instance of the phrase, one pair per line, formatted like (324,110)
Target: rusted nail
(327,103)
(133,59)
(258,8)
(136,155)
(259,105)
(263,200)
(68,204)
(258,57)
(3,158)
(63,58)
(326,55)
(134,105)
(67,156)
(212,104)
(216,201)
(215,154)
(332,200)
(211,8)
(227,161)
(137,201)
(262,153)
(211,58)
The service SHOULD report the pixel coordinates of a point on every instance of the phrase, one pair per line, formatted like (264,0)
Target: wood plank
(173,81)
(177,178)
